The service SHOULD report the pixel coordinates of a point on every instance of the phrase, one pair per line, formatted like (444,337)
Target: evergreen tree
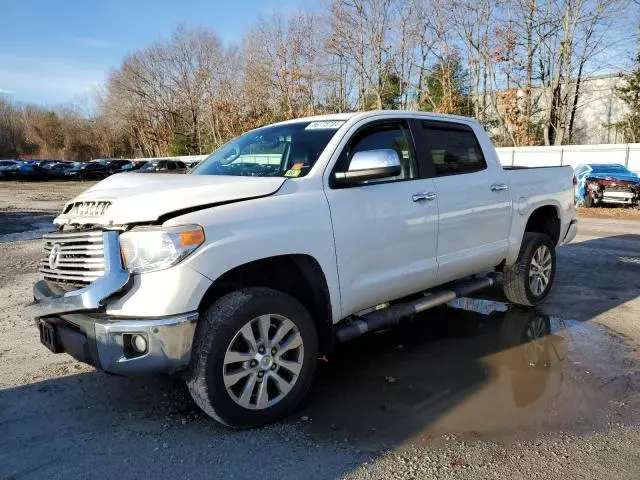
(629,93)
(446,88)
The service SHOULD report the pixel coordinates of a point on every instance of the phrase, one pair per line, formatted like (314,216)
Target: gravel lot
(454,394)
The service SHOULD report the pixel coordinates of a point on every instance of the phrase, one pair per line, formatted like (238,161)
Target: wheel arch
(298,275)
(545,219)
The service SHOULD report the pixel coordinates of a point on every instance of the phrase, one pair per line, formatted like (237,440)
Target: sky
(58,51)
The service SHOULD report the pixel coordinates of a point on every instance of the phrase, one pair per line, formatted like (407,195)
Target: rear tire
(242,376)
(529,280)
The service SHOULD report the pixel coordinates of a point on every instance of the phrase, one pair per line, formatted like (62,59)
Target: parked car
(609,183)
(133,166)
(123,165)
(7,167)
(115,166)
(46,163)
(59,169)
(24,171)
(87,171)
(289,238)
(163,166)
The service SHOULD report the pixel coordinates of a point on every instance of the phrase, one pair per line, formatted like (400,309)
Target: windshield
(149,166)
(610,169)
(288,150)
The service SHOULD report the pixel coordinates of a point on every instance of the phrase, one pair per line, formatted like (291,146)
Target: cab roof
(374,113)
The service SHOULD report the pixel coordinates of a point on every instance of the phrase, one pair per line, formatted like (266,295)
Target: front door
(385,230)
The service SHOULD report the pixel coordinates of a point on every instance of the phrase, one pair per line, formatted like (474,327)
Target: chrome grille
(87,209)
(79,257)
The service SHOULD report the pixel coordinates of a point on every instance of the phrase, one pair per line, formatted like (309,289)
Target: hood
(133,197)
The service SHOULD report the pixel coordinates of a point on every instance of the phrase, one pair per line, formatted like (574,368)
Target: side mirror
(370,165)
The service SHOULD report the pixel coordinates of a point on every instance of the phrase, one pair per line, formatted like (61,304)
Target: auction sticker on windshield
(325,124)
(292,173)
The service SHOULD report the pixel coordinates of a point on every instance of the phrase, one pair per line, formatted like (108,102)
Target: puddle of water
(476,368)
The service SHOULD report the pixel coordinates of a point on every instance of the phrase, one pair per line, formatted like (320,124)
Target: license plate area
(49,336)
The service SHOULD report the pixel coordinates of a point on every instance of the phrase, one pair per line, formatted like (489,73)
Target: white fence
(624,154)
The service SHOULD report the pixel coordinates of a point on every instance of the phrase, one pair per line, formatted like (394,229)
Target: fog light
(139,343)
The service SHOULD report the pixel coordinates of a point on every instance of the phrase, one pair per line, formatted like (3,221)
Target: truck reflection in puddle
(475,367)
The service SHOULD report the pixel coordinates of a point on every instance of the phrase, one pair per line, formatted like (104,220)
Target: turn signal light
(191,237)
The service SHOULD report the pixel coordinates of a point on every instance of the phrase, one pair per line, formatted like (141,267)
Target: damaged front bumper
(75,323)
(619,197)
(608,191)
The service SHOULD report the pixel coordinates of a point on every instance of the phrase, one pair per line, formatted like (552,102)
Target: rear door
(385,230)
(474,203)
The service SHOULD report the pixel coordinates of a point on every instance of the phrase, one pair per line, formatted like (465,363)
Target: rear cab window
(453,148)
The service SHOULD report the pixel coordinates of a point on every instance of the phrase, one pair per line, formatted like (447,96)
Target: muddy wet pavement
(489,372)
(473,390)
(17,226)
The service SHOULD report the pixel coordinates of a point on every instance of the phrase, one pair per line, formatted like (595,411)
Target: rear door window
(453,149)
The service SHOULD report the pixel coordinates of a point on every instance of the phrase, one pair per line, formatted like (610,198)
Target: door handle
(497,187)
(418,197)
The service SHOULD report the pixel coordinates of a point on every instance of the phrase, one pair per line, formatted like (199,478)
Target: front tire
(253,358)
(588,200)
(529,280)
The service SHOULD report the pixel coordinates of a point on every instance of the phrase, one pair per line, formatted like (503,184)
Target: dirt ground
(608,212)
(457,393)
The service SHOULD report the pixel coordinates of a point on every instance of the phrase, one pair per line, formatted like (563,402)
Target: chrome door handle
(418,197)
(496,187)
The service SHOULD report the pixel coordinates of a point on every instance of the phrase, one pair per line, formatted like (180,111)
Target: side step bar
(380,319)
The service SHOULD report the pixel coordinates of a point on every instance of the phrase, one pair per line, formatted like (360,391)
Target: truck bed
(537,181)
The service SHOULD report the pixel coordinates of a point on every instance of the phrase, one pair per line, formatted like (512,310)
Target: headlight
(146,249)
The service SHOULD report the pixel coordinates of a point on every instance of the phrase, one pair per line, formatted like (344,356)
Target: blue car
(606,183)
(23,171)
(7,167)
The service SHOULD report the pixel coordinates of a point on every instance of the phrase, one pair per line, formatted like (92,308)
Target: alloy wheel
(263,361)
(540,270)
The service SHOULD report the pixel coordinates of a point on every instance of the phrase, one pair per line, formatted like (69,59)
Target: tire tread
(211,325)
(516,276)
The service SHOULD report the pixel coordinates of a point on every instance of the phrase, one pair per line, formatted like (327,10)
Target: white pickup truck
(240,274)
